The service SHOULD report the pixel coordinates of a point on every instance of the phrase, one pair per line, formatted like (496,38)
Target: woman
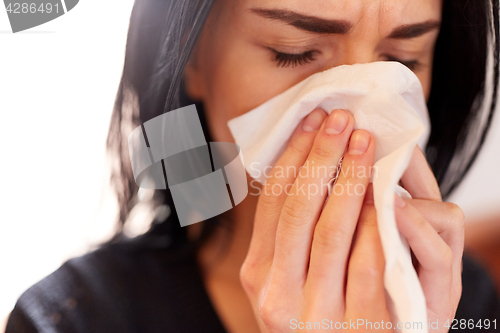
(274,263)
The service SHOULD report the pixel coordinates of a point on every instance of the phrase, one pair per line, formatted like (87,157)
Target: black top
(136,286)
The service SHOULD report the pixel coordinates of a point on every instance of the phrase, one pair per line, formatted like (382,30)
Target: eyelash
(294,59)
(412,64)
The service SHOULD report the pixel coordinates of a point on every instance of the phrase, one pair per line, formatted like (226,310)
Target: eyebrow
(341,27)
(414,30)
(304,22)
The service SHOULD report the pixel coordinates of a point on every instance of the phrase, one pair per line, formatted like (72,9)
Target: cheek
(425,74)
(238,81)
(425,78)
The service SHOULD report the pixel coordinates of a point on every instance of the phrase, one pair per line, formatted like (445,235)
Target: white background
(57,87)
(58,83)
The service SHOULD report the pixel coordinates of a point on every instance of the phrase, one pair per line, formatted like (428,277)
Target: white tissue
(385,98)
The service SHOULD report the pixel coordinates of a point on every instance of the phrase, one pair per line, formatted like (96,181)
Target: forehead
(384,13)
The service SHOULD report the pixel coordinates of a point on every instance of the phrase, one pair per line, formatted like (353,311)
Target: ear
(193,77)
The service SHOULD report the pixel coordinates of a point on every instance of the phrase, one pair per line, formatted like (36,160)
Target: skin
(291,245)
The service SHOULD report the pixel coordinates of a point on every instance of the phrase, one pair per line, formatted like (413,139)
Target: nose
(358,53)
(355,53)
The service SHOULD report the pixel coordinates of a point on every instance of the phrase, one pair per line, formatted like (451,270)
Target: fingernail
(313,121)
(336,122)
(398,201)
(359,143)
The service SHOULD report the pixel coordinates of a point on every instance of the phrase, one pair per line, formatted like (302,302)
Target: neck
(224,253)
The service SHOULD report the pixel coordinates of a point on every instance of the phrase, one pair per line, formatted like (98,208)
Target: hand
(435,233)
(300,267)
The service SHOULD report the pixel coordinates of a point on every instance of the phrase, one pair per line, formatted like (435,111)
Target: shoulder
(82,288)
(116,288)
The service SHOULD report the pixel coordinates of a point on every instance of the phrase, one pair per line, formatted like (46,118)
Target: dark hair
(162,35)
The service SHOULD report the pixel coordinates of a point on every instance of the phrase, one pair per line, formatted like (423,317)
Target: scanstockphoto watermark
(358,324)
(311,180)
(365,324)
(25,15)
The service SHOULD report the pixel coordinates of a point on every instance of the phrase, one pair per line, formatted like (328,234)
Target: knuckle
(299,145)
(272,313)
(323,150)
(456,212)
(367,296)
(268,317)
(420,224)
(270,202)
(247,277)
(367,292)
(296,212)
(370,270)
(444,261)
(328,236)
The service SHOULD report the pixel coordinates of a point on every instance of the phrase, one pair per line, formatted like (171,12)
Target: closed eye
(411,64)
(293,59)
(283,59)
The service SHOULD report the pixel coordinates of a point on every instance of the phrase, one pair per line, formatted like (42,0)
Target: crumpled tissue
(385,98)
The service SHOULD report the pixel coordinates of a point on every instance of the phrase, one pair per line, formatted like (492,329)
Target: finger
(334,231)
(365,296)
(273,191)
(306,198)
(419,179)
(435,257)
(447,219)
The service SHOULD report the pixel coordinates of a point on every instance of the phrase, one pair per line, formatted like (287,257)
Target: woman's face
(252,50)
